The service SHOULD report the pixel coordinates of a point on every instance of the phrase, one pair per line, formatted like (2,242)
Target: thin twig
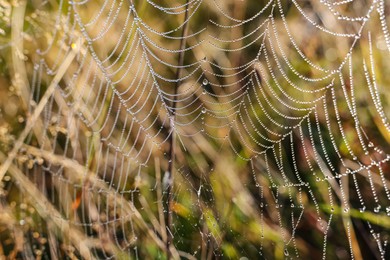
(80,171)
(47,211)
(19,67)
(172,138)
(37,112)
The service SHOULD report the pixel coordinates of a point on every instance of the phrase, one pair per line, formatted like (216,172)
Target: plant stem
(172,138)
(38,110)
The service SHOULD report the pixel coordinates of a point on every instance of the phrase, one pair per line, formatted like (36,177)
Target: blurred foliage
(56,202)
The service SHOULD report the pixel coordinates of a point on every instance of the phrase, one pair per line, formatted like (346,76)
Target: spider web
(280,114)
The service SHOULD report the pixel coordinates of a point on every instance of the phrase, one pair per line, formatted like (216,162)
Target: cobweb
(278,110)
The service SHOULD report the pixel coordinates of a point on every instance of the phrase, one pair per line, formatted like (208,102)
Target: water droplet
(370,144)
(204,110)
(205,82)
(362,209)
(286,252)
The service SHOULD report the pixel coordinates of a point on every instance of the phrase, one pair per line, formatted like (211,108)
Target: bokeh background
(279,111)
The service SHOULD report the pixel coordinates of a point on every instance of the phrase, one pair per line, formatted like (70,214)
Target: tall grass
(67,193)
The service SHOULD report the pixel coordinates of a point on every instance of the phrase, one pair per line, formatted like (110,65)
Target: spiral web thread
(295,90)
